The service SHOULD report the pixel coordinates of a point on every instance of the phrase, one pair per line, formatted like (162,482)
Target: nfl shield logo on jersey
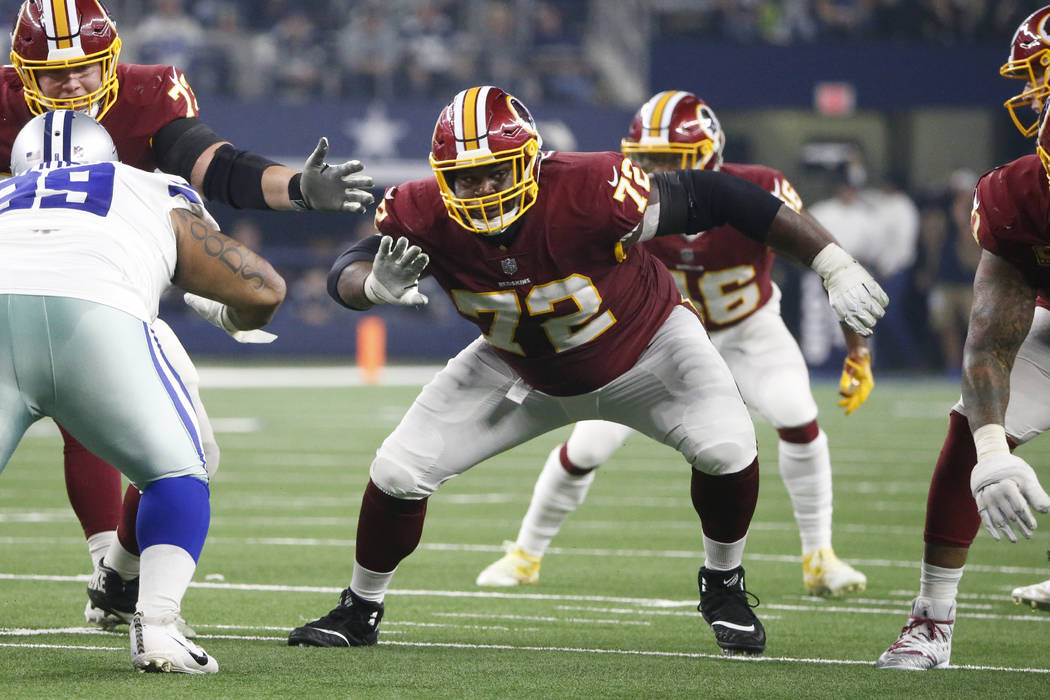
(509,266)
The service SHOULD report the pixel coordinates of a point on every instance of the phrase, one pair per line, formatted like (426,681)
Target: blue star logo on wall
(376,135)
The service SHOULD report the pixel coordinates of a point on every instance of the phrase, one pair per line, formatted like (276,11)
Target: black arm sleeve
(362,250)
(233,177)
(692,201)
(178,144)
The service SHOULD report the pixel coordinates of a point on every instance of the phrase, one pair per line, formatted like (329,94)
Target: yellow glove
(857,380)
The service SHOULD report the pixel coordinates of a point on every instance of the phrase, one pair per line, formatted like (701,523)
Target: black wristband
(295,192)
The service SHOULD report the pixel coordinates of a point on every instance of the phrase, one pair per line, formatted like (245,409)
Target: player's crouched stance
(76,341)
(539,250)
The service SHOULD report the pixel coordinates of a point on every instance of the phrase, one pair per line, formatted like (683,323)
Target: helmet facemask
(1035,71)
(492,213)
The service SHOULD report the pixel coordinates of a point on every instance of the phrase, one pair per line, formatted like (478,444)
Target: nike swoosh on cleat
(734,626)
(346,642)
(201,658)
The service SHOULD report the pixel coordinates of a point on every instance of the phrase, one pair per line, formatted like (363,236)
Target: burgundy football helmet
(676,129)
(484,126)
(1029,61)
(56,34)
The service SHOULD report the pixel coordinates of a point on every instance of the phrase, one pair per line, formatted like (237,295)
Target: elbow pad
(362,250)
(178,144)
(692,201)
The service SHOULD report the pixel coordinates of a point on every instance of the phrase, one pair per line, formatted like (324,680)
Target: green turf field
(614,614)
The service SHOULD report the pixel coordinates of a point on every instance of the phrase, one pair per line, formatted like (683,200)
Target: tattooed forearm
(999,321)
(239,260)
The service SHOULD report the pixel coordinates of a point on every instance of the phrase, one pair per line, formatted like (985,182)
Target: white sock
(370,585)
(722,556)
(556,495)
(98,544)
(938,582)
(122,561)
(806,471)
(166,573)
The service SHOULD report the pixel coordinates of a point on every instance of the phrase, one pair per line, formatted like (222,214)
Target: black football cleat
(112,599)
(726,605)
(352,623)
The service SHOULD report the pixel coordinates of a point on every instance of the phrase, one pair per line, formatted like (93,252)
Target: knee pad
(397,480)
(723,458)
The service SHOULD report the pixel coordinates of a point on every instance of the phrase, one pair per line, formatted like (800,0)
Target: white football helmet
(61,136)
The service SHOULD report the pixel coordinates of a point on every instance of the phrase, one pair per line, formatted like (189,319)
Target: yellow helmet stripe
(656,119)
(470,119)
(62,17)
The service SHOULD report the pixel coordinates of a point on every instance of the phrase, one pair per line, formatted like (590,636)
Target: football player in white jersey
(727,278)
(87,246)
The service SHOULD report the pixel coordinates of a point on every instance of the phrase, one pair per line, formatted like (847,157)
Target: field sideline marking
(575,650)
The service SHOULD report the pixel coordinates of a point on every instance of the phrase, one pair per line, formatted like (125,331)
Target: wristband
(295,192)
(990,440)
(830,258)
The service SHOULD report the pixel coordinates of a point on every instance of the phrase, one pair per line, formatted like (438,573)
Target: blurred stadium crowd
(300,51)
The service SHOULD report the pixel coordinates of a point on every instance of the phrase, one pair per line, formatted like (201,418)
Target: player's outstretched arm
(691,201)
(240,178)
(219,268)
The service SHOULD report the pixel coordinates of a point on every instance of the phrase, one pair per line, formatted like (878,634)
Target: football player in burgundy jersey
(65,56)
(725,274)
(1029,60)
(1005,390)
(538,248)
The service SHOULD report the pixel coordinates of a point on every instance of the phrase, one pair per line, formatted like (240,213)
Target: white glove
(394,278)
(855,296)
(1004,486)
(216,313)
(333,187)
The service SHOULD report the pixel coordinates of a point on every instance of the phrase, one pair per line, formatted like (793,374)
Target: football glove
(394,278)
(1004,487)
(217,314)
(855,296)
(857,381)
(333,187)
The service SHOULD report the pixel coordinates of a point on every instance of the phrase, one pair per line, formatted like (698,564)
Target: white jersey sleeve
(100,232)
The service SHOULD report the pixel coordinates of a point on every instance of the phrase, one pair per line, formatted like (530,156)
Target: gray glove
(333,187)
(394,278)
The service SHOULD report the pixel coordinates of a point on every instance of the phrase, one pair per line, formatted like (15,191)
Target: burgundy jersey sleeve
(14,113)
(1011,217)
(725,273)
(150,97)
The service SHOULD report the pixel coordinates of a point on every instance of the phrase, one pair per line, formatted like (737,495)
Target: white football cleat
(513,569)
(824,574)
(1037,595)
(157,646)
(926,641)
